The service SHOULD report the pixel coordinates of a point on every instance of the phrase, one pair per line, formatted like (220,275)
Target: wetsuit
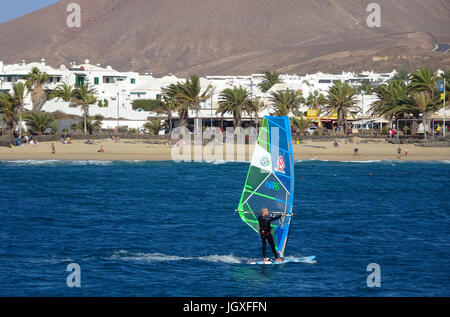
(266,233)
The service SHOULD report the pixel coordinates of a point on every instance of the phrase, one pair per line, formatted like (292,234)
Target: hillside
(234,36)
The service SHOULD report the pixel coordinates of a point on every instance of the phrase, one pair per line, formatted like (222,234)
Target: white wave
(310,160)
(160,257)
(55,162)
(32,162)
(229,259)
(124,255)
(147,257)
(369,161)
(376,161)
(219,162)
(304,259)
(91,162)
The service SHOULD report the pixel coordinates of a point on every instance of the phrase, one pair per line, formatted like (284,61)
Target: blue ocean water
(168,229)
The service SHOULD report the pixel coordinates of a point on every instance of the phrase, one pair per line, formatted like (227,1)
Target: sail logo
(281,166)
(265,161)
(272,185)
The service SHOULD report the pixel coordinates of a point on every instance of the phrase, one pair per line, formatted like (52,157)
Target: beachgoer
(53,148)
(265,231)
(356,152)
(406,152)
(335,143)
(101,149)
(399,153)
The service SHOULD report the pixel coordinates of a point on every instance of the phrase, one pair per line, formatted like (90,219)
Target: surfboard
(308,259)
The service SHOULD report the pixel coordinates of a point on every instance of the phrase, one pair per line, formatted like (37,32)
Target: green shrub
(384,130)
(147,104)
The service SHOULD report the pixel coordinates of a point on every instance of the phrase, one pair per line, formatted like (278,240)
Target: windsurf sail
(270,179)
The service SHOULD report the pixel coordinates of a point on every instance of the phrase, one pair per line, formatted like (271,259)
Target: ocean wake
(215,258)
(159,257)
(55,162)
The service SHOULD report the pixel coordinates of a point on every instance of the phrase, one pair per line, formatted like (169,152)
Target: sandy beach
(130,150)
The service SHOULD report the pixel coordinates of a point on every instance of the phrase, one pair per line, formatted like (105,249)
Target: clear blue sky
(14,9)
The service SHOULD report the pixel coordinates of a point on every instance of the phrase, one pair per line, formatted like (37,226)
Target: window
(80,81)
(96,80)
(133,81)
(158,96)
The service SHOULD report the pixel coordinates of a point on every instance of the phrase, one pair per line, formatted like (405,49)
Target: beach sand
(140,150)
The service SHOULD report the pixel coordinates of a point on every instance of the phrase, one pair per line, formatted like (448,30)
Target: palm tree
(419,103)
(98,121)
(340,99)
(234,100)
(64,92)
(19,94)
(254,108)
(39,121)
(190,93)
(315,101)
(301,124)
(35,81)
(270,79)
(365,87)
(182,108)
(391,99)
(401,74)
(424,80)
(154,126)
(285,101)
(84,96)
(9,109)
(168,107)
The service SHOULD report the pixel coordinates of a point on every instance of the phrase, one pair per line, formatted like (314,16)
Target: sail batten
(270,179)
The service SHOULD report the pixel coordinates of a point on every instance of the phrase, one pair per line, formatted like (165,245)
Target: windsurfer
(265,231)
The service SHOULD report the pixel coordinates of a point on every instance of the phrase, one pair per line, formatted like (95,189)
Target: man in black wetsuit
(265,231)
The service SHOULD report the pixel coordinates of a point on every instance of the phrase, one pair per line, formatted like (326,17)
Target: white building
(117,90)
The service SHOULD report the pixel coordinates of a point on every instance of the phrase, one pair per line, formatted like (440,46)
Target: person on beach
(265,231)
(399,153)
(356,152)
(335,143)
(53,148)
(406,152)
(101,149)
